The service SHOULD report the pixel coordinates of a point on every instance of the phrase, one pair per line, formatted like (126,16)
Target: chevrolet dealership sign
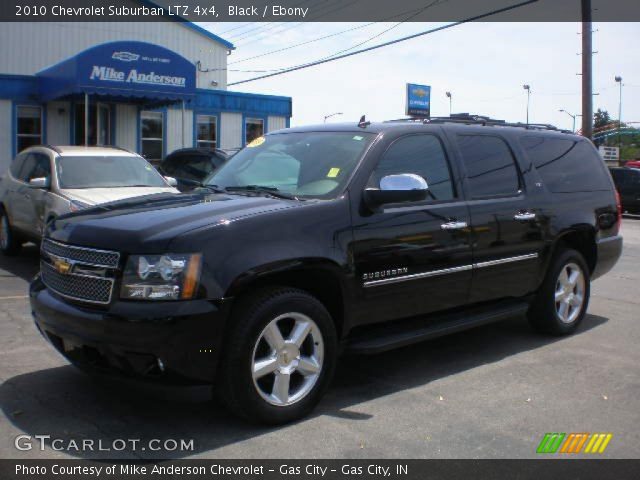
(418,100)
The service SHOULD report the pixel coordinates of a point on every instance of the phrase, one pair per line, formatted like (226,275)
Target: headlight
(161,277)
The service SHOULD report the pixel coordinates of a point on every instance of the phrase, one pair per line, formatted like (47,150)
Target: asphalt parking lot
(492,392)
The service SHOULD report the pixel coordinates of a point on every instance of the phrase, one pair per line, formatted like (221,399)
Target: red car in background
(633,164)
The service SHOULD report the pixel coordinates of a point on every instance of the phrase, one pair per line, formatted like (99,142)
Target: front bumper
(609,250)
(176,342)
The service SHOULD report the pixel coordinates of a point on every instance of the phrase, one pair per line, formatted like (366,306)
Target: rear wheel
(563,298)
(280,356)
(9,243)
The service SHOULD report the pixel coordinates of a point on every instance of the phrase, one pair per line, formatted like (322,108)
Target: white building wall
(175,127)
(58,123)
(127,126)
(276,123)
(5,135)
(28,47)
(231,130)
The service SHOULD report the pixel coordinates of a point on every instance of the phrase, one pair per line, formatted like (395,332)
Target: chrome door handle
(524,216)
(453,225)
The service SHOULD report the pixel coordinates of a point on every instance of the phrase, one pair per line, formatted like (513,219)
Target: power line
(392,42)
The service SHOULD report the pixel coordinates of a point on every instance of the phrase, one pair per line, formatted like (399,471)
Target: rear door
(30,204)
(413,258)
(507,232)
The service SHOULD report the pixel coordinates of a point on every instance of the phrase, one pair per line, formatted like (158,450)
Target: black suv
(318,240)
(627,182)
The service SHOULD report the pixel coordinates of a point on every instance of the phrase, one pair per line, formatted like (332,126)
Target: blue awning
(124,70)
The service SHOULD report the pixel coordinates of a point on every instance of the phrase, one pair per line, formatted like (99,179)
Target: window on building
(152,135)
(254,128)
(206,128)
(491,168)
(422,155)
(29,127)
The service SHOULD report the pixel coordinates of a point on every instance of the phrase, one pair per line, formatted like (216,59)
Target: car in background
(627,181)
(44,182)
(633,164)
(191,166)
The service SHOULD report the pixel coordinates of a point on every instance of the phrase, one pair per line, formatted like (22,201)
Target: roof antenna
(363,122)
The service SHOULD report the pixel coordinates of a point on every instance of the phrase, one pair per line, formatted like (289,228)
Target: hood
(95,196)
(148,225)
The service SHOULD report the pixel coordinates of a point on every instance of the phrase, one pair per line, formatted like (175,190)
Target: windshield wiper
(212,188)
(273,191)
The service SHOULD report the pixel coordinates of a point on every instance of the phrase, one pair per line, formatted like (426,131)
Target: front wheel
(9,243)
(279,358)
(563,298)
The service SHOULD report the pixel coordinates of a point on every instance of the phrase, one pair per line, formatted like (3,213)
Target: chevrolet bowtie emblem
(62,266)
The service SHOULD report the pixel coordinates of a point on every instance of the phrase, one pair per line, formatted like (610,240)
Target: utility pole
(450,101)
(619,80)
(587,67)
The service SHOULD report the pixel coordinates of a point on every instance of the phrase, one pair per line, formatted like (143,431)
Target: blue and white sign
(418,100)
(121,69)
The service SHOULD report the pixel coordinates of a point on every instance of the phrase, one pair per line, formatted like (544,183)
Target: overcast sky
(484,65)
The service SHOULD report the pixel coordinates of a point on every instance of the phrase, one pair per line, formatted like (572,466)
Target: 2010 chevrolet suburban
(318,240)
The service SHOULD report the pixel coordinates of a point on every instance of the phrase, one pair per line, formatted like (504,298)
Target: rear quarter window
(566,165)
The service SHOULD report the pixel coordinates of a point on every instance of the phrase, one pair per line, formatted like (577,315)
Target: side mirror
(404,187)
(171,181)
(40,182)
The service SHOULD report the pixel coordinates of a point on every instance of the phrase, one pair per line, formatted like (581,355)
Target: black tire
(10,243)
(235,384)
(544,314)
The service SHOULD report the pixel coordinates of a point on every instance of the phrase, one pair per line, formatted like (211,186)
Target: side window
(16,166)
(422,155)
(42,167)
(490,166)
(27,167)
(566,165)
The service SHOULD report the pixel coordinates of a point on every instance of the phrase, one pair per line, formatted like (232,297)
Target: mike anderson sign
(121,69)
(110,74)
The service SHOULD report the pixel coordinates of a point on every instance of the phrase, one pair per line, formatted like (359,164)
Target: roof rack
(470,119)
(50,147)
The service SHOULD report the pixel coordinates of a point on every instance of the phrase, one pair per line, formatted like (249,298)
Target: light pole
(331,115)
(572,116)
(528,89)
(619,80)
(450,100)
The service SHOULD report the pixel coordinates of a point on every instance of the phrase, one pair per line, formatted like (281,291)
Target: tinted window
(191,167)
(16,166)
(566,165)
(37,165)
(422,155)
(490,166)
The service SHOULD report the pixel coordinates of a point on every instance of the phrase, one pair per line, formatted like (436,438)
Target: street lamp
(619,80)
(572,116)
(528,89)
(450,100)
(331,115)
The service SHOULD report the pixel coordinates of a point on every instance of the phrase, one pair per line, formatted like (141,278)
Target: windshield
(106,172)
(310,164)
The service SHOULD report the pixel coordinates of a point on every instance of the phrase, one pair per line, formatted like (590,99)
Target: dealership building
(148,87)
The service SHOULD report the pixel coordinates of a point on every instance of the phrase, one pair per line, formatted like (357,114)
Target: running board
(383,337)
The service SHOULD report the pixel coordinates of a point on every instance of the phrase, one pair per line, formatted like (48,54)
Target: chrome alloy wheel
(287,359)
(4,232)
(570,291)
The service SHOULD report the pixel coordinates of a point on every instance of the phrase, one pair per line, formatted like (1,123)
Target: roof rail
(50,147)
(471,119)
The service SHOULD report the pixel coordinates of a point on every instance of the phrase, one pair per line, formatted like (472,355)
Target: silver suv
(45,182)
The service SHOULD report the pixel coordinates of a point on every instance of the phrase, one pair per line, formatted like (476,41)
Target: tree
(601,118)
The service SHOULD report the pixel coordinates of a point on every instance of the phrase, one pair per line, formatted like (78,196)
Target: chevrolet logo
(62,266)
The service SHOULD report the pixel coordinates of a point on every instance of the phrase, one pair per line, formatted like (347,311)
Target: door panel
(412,258)
(506,223)
(29,212)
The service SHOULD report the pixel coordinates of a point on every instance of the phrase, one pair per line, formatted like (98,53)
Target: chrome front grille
(86,256)
(79,273)
(77,287)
